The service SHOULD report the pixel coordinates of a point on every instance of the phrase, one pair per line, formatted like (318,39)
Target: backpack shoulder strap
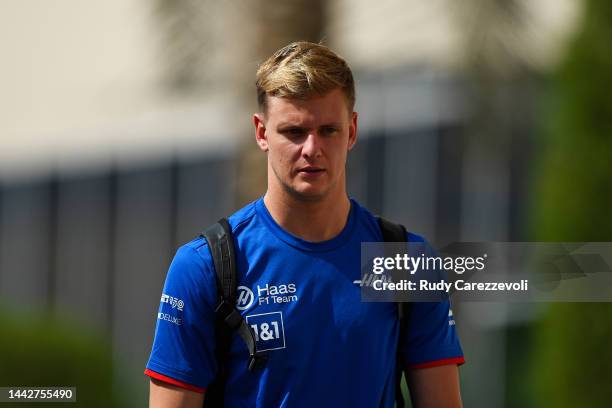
(221,246)
(228,319)
(392,232)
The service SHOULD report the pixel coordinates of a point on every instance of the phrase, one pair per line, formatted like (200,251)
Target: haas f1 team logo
(266,294)
(245,298)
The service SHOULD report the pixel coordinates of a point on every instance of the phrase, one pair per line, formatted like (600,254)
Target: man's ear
(260,131)
(352,131)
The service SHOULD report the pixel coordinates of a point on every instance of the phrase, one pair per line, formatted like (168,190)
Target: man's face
(307,142)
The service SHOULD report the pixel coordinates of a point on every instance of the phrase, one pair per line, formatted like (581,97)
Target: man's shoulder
(193,252)
(243,216)
(197,248)
(371,221)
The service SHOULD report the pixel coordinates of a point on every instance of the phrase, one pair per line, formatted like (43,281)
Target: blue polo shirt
(325,346)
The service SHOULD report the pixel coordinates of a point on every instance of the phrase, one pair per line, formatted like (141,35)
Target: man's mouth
(311,170)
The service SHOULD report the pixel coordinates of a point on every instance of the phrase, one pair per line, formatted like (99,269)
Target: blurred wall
(123,125)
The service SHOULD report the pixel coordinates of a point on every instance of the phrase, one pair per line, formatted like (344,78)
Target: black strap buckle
(230,315)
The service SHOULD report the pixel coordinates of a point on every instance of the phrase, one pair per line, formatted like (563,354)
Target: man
(297,259)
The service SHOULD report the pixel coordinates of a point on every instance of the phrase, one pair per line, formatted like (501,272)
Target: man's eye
(293,131)
(328,130)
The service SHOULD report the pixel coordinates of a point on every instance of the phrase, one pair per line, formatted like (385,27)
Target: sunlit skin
(307,142)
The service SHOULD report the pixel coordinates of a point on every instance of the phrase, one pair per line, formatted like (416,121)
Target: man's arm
(434,387)
(164,395)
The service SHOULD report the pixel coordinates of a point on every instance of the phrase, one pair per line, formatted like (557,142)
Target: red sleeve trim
(441,362)
(172,381)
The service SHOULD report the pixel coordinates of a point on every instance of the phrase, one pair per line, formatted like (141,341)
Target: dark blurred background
(125,129)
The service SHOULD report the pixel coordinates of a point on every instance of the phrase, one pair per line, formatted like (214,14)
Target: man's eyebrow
(290,125)
(296,125)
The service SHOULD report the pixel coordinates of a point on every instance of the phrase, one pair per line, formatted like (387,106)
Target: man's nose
(312,145)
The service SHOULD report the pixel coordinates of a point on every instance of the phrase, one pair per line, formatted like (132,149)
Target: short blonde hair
(303,69)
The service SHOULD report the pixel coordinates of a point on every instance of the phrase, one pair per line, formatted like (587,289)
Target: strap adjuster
(229,314)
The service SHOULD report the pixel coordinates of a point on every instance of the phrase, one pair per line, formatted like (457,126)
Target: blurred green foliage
(574,203)
(39,351)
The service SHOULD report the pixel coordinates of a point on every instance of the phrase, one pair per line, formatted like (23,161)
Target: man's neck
(313,221)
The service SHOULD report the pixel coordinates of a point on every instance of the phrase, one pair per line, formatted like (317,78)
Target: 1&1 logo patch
(269,330)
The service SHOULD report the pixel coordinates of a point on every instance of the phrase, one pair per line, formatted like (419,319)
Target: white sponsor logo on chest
(274,294)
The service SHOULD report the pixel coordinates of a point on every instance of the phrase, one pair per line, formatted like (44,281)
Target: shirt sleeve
(429,338)
(183,347)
